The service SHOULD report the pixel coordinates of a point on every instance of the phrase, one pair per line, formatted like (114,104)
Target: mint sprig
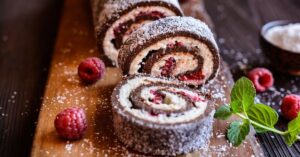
(262,117)
(242,96)
(238,131)
(223,112)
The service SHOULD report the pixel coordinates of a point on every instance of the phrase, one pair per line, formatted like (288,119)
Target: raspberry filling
(169,66)
(158,97)
(124,28)
(161,98)
(174,45)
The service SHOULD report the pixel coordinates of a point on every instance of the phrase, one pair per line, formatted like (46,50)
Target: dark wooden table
(27,36)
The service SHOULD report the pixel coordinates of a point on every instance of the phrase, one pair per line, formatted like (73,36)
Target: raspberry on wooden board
(91,69)
(71,123)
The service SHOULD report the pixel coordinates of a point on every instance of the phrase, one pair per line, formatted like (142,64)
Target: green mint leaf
(242,94)
(263,115)
(293,131)
(236,107)
(289,139)
(223,112)
(238,131)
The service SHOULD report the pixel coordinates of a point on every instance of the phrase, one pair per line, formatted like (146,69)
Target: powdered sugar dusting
(170,25)
(112,8)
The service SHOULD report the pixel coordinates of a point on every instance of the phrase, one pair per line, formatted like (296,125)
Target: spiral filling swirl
(178,47)
(115,20)
(161,101)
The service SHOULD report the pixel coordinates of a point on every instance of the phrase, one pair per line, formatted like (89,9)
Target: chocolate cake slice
(179,47)
(114,20)
(159,116)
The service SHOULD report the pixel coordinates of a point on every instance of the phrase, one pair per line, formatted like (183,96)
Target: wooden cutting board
(75,42)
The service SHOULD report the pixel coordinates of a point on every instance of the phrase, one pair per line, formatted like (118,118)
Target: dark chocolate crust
(161,139)
(192,28)
(104,23)
(174,141)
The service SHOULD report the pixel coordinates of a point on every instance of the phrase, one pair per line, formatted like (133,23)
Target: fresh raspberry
(169,66)
(290,106)
(91,70)
(71,123)
(262,79)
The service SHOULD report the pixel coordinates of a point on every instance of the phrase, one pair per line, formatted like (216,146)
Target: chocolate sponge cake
(160,116)
(179,47)
(114,20)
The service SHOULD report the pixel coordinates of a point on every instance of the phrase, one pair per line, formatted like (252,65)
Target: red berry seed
(262,79)
(71,123)
(290,106)
(91,70)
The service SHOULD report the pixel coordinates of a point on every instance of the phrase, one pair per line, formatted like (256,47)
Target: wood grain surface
(75,42)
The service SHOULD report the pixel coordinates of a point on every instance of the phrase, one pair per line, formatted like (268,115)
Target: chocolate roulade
(114,20)
(180,47)
(156,116)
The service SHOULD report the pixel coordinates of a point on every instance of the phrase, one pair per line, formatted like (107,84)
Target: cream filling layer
(109,49)
(132,84)
(175,102)
(184,62)
(205,53)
